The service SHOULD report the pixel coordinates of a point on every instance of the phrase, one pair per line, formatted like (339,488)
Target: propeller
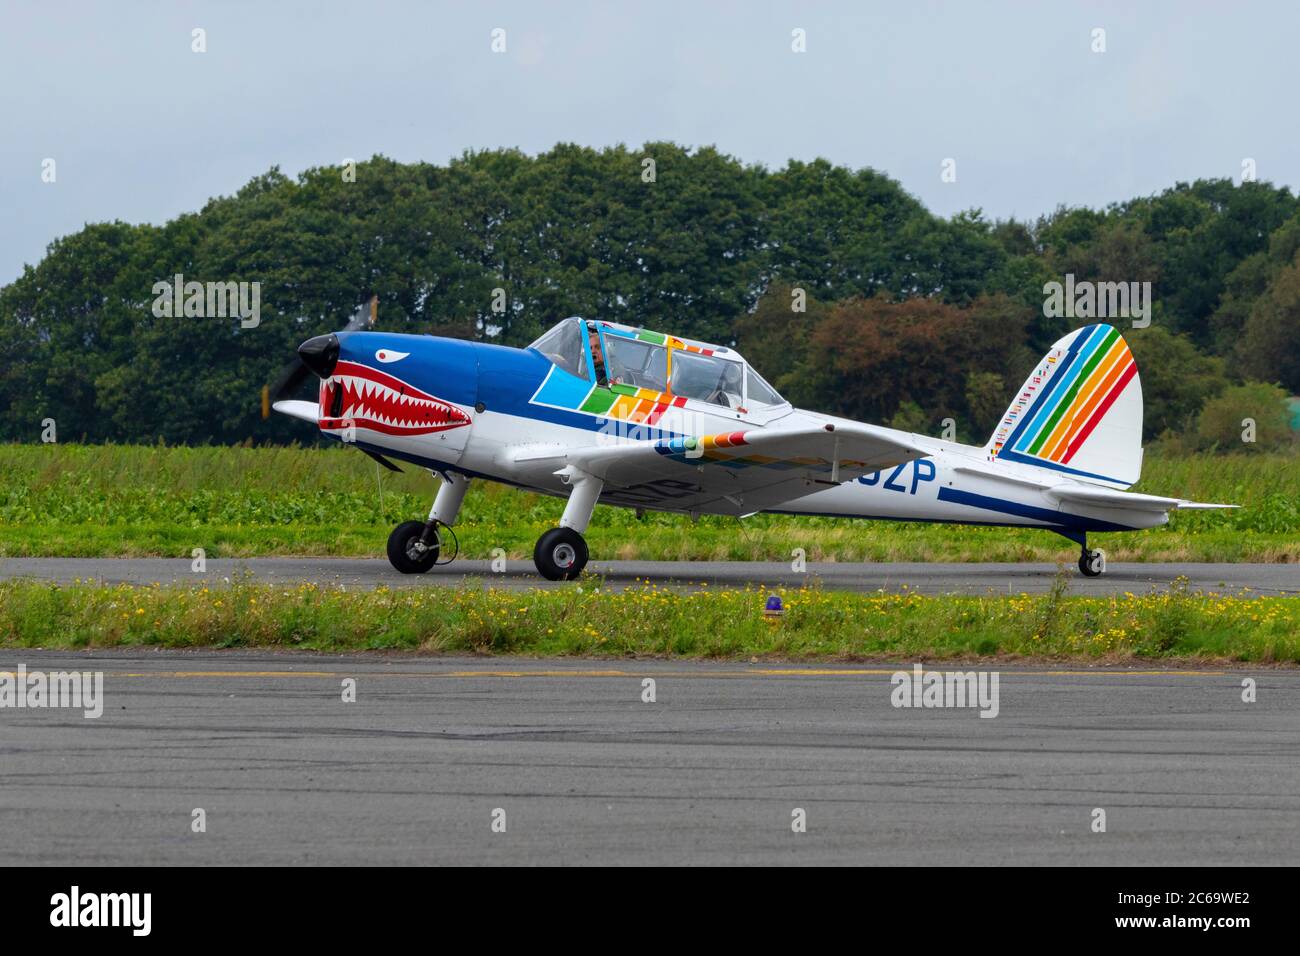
(316,356)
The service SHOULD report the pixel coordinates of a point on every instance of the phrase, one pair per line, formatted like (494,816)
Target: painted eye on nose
(386,356)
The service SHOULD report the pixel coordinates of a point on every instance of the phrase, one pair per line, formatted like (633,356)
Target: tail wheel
(406,553)
(560,555)
(1092,563)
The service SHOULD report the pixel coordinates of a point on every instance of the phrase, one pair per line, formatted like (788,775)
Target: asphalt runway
(926,578)
(586,772)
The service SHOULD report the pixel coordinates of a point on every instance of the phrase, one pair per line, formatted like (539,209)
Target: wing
(740,472)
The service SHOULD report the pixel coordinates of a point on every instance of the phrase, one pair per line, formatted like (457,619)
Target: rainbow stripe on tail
(1079,412)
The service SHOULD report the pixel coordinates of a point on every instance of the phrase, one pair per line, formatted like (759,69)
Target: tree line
(840,287)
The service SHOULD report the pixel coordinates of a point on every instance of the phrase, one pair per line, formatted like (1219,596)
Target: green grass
(652,621)
(70,500)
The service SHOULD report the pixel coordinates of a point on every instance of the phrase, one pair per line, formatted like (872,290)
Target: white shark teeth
(394,408)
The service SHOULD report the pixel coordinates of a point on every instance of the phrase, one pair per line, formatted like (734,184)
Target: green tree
(869,356)
(840,233)
(1253,417)
(987,397)
(1203,231)
(65,322)
(1270,343)
(911,417)
(1177,379)
(775,336)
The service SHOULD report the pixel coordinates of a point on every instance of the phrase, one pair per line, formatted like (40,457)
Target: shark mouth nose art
(376,400)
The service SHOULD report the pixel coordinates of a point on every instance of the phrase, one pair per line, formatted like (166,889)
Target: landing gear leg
(1091,563)
(414,546)
(561,553)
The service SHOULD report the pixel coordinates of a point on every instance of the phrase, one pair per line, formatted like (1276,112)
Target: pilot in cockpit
(598,358)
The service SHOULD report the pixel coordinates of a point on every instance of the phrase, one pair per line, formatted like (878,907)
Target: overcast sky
(141,128)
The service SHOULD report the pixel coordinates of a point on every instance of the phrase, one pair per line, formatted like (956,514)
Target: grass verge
(653,621)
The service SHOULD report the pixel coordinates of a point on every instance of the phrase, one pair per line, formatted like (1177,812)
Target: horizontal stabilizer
(1107,498)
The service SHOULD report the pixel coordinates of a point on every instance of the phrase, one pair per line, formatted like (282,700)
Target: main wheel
(1092,563)
(560,555)
(405,551)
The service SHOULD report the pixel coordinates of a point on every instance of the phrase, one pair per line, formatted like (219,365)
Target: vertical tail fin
(1079,412)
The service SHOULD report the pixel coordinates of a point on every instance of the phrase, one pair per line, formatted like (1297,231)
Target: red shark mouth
(378,401)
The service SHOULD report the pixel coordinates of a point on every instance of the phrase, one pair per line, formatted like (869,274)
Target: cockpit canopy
(621,355)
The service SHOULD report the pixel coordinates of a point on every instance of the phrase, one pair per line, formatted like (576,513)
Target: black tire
(560,555)
(401,553)
(1092,564)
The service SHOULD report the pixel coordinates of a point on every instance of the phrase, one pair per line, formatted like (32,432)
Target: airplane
(597,412)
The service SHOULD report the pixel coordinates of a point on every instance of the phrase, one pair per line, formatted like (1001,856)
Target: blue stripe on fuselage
(1003,506)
